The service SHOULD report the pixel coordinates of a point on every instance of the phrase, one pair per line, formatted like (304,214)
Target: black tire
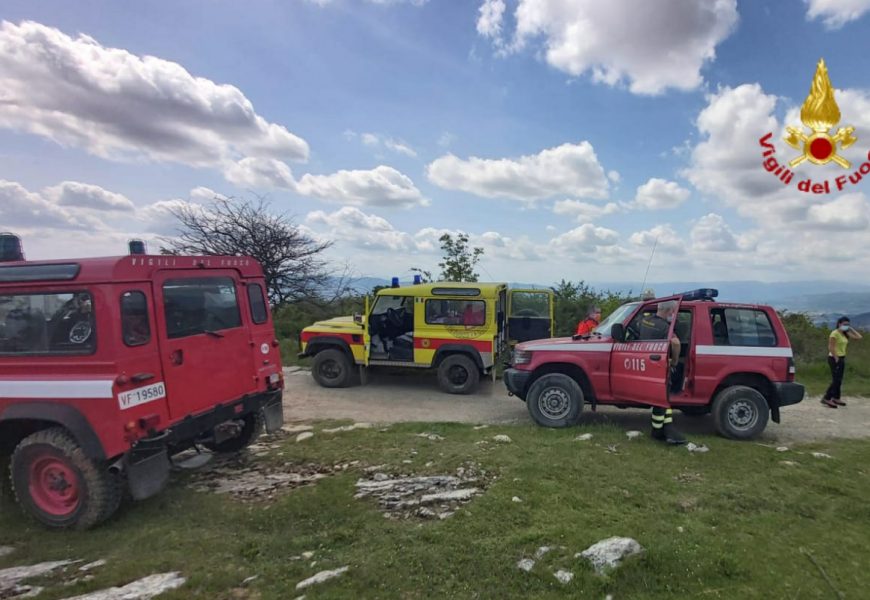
(331,368)
(740,412)
(695,411)
(458,374)
(555,400)
(44,460)
(251,430)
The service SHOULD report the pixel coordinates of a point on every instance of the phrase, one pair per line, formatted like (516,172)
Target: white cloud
(489,23)
(584,211)
(20,207)
(117,105)
(585,238)
(381,186)
(651,45)
(158,217)
(446,139)
(849,212)
(613,176)
(836,13)
(662,237)
(376,140)
(84,195)
(351,225)
(659,194)
(712,233)
(569,169)
(204,194)
(260,173)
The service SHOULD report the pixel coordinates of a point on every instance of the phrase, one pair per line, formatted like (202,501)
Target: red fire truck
(110,366)
(735,362)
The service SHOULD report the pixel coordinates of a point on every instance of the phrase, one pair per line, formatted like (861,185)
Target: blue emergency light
(418,279)
(700,294)
(10,248)
(395,282)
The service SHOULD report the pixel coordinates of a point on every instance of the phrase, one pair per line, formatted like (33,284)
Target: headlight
(522,357)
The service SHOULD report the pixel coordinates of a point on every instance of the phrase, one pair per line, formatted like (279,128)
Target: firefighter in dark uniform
(656,327)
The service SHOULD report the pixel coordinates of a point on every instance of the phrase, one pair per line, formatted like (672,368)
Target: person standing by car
(587,325)
(838,341)
(656,327)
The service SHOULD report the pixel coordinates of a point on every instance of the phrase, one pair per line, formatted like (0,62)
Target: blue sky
(380,124)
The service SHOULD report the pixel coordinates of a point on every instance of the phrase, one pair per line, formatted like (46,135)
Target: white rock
(564,576)
(540,552)
(407,462)
(141,589)
(464,494)
(680,529)
(607,554)
(502,438)
(4,550)
(516,499)
(304,436)
(434,437)
(321,577)
(526,564)
(583,437)
(822,455)
(788,463)
(633,434)
(478,427)
(429,464)
(693,447)
(296,428)
(94,565)
(11,576)
(307,555)
(250,579)
(782,448)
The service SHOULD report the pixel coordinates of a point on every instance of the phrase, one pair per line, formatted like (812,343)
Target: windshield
(617,316)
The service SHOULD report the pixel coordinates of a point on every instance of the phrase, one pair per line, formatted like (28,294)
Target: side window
(47,323)
(634,326)
(259,313)
(742,327)
(456,312)
(135,327)
(197,305)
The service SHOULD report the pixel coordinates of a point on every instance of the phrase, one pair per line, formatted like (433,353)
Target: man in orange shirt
(593,318)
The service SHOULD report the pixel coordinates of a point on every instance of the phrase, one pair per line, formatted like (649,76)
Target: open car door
(530,315)
(639,369)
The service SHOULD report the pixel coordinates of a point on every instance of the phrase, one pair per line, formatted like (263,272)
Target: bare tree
(291,260)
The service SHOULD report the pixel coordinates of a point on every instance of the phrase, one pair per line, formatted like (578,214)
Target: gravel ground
(390,397)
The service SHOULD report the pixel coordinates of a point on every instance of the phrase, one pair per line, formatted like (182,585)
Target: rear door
(639,368)
(530,315)
(266,351)
(205,347)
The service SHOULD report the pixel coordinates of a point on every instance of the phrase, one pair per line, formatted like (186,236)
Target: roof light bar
(700,294)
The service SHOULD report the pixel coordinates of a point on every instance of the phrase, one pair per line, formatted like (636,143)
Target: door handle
(655,357)
(177,357)
(139,377)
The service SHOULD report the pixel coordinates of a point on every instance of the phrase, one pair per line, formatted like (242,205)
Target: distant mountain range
(824,301)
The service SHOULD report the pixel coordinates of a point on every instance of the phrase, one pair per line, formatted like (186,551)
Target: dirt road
(393,397)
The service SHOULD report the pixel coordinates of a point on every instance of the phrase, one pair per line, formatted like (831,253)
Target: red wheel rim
(54,485)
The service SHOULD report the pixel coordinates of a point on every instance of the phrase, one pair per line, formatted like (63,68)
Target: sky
(571,139)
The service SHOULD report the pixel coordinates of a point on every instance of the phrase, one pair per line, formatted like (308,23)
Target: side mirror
(357,318)
(617,332)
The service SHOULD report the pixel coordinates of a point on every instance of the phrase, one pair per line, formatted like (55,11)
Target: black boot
(669,434)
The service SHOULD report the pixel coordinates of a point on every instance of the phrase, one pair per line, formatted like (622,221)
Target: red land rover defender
(109,366)
(735,362)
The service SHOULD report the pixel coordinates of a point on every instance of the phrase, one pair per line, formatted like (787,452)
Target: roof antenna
(649,264)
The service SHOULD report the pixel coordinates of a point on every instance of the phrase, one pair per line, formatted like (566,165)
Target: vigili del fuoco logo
(819,114)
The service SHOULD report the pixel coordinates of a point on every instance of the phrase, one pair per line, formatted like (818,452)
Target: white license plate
(142,395)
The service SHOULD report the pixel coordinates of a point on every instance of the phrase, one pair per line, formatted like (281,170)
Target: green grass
(745,518)
(816,377)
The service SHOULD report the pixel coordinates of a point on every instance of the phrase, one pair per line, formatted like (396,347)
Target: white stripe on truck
(78,388)
(743,351)
(572,347)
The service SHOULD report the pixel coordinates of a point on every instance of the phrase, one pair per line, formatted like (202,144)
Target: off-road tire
(97,491)
(555,400)
(251,430)
(740,412)
(458,374)
(331,368)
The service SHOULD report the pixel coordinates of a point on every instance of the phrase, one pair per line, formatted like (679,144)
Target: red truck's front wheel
(555,400)
(58,484)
